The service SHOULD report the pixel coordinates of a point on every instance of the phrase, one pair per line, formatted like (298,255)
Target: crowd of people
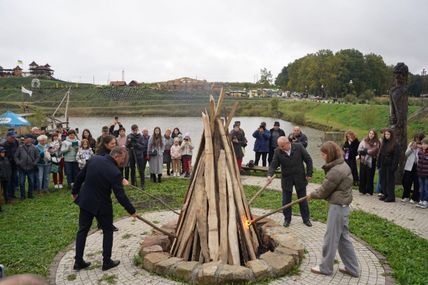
(27,162)
(383,154)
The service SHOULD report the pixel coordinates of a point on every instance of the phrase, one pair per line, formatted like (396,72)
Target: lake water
(193,126)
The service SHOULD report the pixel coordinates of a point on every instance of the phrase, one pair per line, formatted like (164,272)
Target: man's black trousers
(85,222)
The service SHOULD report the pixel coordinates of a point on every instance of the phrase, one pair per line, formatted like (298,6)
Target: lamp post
(322,91)
(350,87)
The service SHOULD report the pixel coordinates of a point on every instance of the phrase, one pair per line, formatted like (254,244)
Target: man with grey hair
(92,192)
(291,156)
(298,137)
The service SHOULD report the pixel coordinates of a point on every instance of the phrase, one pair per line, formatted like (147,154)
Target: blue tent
(10,119)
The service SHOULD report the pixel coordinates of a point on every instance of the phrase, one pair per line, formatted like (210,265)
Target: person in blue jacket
(261,145)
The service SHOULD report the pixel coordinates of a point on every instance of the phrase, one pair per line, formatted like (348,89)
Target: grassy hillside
(357,117)
(91,100)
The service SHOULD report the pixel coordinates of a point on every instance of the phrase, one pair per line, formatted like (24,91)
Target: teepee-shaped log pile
(212,224)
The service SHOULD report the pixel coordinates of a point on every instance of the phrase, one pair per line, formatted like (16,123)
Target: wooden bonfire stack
(211,226)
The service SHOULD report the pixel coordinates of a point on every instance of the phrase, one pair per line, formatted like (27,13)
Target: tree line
(347,71)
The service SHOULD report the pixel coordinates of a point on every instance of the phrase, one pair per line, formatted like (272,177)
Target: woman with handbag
(155,151)
(368,150)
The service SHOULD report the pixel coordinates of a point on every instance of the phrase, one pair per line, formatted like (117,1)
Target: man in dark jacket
(100,175)
(26,158)
(291,157)
(298,136)
(11,146)
(275,133)
(137,148)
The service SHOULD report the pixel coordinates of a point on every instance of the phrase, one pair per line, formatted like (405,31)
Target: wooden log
(232,229)
(212,113)
(223,207)
(188,223)
(196,249)
(210,189)
(184,213)
(253,230)
(202,216)
(219,104)
(231,163)
(187,249)
(230,116)
(243,247)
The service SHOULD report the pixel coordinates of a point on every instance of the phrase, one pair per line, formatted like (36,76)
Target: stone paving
(127,244)
(405,215)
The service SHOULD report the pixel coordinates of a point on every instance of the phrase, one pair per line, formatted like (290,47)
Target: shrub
(350,98)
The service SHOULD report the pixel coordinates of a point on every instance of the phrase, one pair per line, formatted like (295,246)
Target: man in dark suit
(100,175)
(291,157)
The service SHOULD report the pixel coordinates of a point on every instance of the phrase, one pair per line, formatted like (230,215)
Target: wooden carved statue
(398,111)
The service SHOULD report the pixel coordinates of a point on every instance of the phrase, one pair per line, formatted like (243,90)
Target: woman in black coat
(389,156)
(350,150)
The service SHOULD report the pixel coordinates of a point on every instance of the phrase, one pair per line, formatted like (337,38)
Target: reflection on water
(193,126)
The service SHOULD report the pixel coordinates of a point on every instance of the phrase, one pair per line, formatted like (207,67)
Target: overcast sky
(222,40)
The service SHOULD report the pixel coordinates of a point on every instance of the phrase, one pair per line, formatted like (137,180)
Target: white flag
(29,92)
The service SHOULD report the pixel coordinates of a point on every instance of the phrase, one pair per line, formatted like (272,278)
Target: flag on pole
(20,61)
(29,92)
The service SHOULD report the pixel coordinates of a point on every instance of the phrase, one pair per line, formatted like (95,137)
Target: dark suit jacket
(292,168)
(100,176)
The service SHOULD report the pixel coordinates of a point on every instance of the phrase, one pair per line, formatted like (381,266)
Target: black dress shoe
(389,200)
(114,228)
(382,198)
(286,224)
(110,264)
(78,265)
(308,223)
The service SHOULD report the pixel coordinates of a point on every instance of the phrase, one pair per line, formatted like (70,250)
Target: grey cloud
(217,41)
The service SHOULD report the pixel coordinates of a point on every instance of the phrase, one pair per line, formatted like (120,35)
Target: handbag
(154,152)
(54,168)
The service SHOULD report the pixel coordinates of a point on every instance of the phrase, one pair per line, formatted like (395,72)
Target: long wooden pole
(258,193)
(277,210)
(154,197)
(156,227)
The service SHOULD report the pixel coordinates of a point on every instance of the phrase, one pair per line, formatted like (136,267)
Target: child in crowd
(423,174)
(84,154)
(186,153)
(176,157)
(5,173)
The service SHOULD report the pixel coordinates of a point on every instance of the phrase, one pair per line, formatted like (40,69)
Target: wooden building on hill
(40,70)
(133,83)
(11,72)
(184,84)
(118,83)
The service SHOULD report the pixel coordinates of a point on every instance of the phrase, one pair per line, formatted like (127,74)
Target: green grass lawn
(34,231)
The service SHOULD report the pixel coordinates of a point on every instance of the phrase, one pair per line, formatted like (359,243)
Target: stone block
(260,269)
(290,242)
(149,249)
(279,263)
(165,267)
(161,240)
(184,270)
(288,251)
(151,259)
(234,273)
(207,272)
